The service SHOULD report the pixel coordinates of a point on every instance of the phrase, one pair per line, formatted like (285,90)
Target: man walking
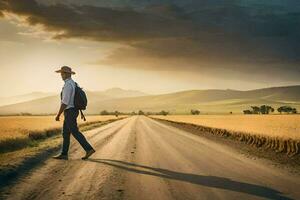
(70,116)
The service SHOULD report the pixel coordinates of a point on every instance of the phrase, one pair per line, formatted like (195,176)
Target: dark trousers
(70,126)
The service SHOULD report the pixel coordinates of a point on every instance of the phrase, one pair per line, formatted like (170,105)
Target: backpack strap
(82,115)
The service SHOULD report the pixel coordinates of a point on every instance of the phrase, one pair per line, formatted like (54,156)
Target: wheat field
(283,126)
(18,126)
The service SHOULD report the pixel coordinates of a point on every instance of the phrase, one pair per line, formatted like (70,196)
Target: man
(70,116)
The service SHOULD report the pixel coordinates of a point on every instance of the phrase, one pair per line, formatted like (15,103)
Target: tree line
(266,109)
(263,109)
(140,112)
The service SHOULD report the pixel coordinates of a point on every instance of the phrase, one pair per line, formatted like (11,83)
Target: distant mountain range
(119,93)
(207,101)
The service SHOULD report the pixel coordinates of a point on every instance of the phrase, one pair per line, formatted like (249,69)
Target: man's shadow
(208,181)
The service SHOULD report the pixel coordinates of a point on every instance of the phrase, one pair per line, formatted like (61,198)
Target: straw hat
(65,69)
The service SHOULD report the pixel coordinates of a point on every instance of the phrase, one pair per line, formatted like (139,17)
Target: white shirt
(68,93)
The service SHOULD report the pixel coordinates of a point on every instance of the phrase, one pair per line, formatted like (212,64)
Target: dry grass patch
(283,126)
(17,132)
(18,126)
(277,132)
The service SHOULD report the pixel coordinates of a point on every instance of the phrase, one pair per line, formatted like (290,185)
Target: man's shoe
(61,157)
(88,154)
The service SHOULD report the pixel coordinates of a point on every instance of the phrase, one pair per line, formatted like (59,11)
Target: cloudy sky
(151,45)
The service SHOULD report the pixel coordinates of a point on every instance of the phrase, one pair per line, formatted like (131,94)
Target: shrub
(104,112)
(195,112)
(165,113)
(141,112)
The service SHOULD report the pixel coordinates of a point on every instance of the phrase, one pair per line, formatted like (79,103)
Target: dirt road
(140,158)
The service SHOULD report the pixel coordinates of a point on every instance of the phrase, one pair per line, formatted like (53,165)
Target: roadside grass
(32,138)
(20,126)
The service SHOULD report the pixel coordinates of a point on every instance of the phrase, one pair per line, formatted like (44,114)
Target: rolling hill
(24,97)
(208,101)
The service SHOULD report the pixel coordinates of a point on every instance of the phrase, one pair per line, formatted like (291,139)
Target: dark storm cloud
(96,23)
(234,35)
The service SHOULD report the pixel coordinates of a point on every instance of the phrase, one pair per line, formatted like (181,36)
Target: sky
(155,46)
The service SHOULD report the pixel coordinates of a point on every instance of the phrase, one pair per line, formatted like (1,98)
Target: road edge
(12,173)
(277,159)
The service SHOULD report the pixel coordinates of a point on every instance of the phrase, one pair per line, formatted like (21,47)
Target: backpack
(80,100)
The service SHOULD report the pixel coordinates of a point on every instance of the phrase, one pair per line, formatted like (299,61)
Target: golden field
(18,126)
(282,126)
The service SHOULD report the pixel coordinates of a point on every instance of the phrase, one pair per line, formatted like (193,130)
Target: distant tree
(230,112)
(195,112)
(25,114)
(104,112)
(247,112)
(165,113)
(287,109)
(133,113)
(141,112)
(265,109)
(280,109)
(271,109)
(151,113)
(255,109)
